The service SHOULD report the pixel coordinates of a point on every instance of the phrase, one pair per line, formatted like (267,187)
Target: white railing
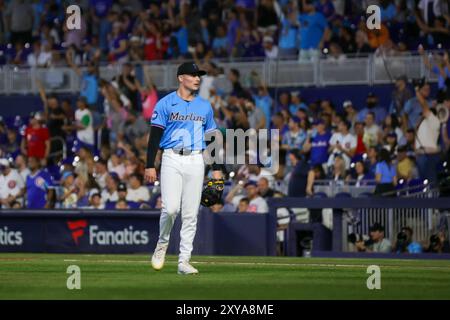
(276,73)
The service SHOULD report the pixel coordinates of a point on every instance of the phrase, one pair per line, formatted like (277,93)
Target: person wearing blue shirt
(264,101)
(313,31)
(89,82)
(319,144)
(405,242)
(288,42)
(372,106)
(412,111)
(385,175)
(39,187)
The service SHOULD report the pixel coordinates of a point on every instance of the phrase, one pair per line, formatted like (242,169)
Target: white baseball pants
(181,187)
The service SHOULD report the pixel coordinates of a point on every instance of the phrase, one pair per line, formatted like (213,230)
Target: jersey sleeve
(159,116)
(210,124)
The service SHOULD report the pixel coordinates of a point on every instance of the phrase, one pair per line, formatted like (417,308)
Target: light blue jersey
(184,122)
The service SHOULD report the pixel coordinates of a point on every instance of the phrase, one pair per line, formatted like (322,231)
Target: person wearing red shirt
(359,132)
(36,142)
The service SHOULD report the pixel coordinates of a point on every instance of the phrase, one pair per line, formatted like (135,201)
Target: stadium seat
(365,195)
(320,195)
(343,195)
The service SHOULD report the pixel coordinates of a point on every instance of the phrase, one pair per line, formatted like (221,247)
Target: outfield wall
(132,232)
(84,231)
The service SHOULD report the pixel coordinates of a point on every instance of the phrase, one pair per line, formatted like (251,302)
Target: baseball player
(178,127)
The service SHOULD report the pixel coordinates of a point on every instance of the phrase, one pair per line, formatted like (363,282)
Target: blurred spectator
(101,172)
(12,186)
(427,148)
(405,242)
(243,205)
(378,243)
(121,204)
(385,175)
(39,58)
(36,140)
(135,127)
(264,189)
(338,170)
(360,145)
(19,14)
(126,84)
(316,173)
(372,132)
(288,39)
(256,203)
(264,102)
(218,207)
(149,95)
(84,124)
(342,143)
(412,110)
(122,191)
(21,165)
(372,106)
(400,95)
(270,49)
(137,192)
(313,31)
(69,195)
(350,112)
(318,144)
(299,175)
(359,175)
(293,139)
(89,79)
(406,168)
(109,193)
(95,200)
(39,186)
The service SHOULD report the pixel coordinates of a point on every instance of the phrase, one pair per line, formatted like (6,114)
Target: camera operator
(405,244)
(377,242)
(436,243)
(427,148)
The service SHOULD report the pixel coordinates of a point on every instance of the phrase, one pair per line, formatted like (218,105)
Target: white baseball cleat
(186,268)
(159,256)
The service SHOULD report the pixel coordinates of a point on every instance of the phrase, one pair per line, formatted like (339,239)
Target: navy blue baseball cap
(190,68)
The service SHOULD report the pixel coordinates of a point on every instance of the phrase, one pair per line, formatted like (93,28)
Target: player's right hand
(150,175)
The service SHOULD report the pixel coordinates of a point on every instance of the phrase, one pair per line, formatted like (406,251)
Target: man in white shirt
(257,203)
(137,192)
(100,173)
(84,123)
(109,194)
(12,186)
(427,148)
(39,58)
(372,132)
(270,49)
(342,143)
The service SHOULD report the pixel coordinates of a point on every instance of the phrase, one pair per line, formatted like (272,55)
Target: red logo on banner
(77,228)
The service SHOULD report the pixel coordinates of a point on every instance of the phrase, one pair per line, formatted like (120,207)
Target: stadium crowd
(106,130)
(34,33)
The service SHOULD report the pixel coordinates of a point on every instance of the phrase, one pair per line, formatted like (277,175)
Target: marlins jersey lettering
(184,122)
(37,187)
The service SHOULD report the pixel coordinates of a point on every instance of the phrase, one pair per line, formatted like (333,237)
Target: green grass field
(43,276)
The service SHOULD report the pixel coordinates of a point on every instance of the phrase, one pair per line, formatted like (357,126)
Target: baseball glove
(212,192)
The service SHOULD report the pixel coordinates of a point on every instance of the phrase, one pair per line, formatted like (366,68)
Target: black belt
(186,152)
